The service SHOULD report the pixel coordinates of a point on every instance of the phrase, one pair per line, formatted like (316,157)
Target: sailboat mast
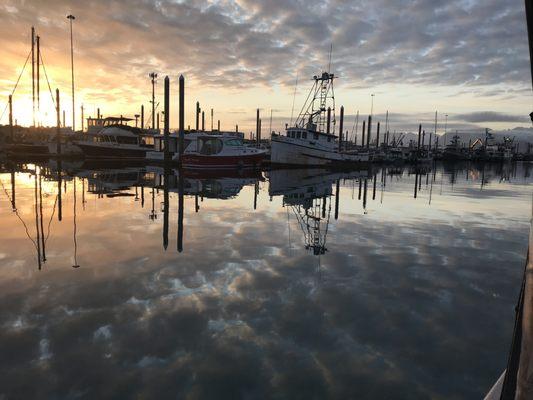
(33,71)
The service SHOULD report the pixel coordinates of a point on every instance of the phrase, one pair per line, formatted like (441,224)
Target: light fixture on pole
(153,75)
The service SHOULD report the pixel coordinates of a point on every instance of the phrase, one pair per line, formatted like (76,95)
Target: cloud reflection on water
(409,301)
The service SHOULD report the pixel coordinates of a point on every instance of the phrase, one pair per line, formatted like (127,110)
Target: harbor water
(129,281)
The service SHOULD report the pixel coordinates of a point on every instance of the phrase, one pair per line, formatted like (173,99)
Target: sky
(468,59)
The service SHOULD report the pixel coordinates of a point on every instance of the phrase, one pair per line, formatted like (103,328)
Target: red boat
(221,151)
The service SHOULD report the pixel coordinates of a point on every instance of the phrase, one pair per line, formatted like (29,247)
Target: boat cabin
(322,138)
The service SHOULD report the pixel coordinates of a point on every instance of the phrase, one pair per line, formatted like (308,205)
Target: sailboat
(310,141)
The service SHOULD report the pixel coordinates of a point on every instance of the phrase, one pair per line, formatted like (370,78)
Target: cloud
(490,116)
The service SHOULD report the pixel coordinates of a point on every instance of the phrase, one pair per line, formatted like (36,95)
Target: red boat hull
(197,161)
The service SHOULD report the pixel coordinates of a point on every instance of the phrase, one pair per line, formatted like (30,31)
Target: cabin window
(315,136)
(233,142)
(298,135)
(304,135)
(210,146)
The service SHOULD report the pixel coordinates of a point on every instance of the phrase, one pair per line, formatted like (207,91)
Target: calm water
(288,284)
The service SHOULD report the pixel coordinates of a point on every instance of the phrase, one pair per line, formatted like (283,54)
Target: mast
(33,72)
(38,40)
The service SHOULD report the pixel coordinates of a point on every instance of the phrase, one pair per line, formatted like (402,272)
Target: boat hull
(289,153)
(95,151)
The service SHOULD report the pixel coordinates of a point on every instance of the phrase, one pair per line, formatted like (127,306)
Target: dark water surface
(408,294)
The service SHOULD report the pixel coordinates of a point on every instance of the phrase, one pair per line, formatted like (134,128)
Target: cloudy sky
(465,58)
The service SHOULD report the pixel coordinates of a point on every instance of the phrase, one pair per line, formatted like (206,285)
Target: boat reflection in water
(404,256)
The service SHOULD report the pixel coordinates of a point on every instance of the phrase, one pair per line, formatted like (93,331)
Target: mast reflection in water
(419,271)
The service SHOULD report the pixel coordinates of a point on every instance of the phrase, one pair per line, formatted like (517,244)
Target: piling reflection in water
(233,305)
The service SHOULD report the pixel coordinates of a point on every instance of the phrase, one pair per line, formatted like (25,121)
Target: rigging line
(47,81)
(16,84)
(18,216)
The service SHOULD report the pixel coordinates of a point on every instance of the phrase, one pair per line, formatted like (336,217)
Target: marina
(257,200)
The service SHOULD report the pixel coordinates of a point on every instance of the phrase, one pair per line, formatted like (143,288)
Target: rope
(48,82)
(18,216)
(16,84)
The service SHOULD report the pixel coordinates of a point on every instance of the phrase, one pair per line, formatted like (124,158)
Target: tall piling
(166,131)
(257,128)
(341,125)
(142,116)
(203,121)
(369,131)
(212,115)
(58,127)
(377,136)
(218,125)
(98,113)
(363,136)
(182,116)
(197,116)
(157,125)
(419,135)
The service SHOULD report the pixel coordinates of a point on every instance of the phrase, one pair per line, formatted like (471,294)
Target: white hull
(291,152)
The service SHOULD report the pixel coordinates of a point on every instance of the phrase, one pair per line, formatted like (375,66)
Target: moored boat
(117,140)
(310,141)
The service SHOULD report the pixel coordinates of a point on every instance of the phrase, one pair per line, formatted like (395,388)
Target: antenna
(294,97)
(330,51)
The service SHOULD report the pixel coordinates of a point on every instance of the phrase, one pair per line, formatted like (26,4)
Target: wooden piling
(58,122)
(182,116)
(341,124)
(212,114)
(166,127)
(64,120)
(158,131)
(142,116)
(197,115)
(218,125)
(257,134)
(363,136)
(377,136)
(419,135)
(369,130)
(203,121)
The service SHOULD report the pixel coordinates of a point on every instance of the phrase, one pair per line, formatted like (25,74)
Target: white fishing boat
(311,141)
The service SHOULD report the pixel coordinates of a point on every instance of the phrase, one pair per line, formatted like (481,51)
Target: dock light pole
(72,18)
(153,75)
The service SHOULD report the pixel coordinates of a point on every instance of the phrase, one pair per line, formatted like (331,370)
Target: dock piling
(377,136)
(142,116)
(166,127)
(341,123)
(369,130)
(182,116)
(197,115)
